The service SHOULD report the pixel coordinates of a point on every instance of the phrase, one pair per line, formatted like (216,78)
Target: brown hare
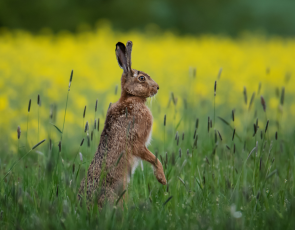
(123,140)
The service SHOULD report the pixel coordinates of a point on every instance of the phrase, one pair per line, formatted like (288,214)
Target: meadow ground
(227,151)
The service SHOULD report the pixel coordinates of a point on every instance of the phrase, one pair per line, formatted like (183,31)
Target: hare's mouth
(153,94)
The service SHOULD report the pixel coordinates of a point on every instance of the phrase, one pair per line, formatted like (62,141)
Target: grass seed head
(255,130)
(233,134)
(197,123)
(179,151)
(215,87)
(263,103)
(88,140)
(71,78)
(84,112)
(98,124)
(233,114)
(95,109)
(39,143)
(208,124)
(94,124)
(91,135)
(176,136)
(18,132)
(81,156)
(215,136)
(73,168)
(59,146)
(86,127)
(276,135)
(234,148)
(82,142)
(39,100)
(219,135)
(182,136)
(261,135)
(283,96)
(195,133)
(29,106)
(165,120)
(245,95)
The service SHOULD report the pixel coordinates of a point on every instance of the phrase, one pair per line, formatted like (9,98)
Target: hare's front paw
(159,173)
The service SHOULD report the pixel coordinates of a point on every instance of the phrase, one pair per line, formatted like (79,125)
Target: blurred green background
(229,17)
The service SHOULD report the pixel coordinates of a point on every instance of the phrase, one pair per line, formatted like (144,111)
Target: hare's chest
(149,126)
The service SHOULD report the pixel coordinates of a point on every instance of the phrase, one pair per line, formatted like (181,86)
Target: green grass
(218,185)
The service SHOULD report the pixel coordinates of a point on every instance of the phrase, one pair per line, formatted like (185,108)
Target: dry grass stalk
(266,125)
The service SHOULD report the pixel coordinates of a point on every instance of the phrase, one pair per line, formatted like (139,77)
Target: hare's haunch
(123,140)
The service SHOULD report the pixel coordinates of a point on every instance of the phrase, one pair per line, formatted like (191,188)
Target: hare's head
(134,82)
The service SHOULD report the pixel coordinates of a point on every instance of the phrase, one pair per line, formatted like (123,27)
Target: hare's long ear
(129,50)
(121,56)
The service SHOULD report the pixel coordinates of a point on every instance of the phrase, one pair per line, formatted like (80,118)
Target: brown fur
(125,133)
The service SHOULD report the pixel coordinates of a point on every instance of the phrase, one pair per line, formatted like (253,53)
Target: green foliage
(193,17)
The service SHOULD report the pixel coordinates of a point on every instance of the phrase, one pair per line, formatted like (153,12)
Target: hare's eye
(141,78)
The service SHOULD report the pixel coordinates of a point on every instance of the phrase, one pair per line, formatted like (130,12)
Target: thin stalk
(63,127)
(27,128)
(38,122)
